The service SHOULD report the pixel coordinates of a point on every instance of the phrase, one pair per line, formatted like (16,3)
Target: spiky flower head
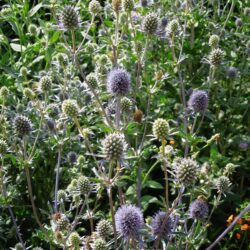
(160,129)
(84,185)
(232,72)
(138,115)
(72,157)
(216,56)
(238,22)
(74,239)
(186,170)
(198,100)
(173,26)
(23,71)
(126,105)
(33,29)
(3,147)
(144,3)
(229,169)
(104,229)
(4,92)
(92,80)
(100,244)
(198,209)
(113,146)
(128,5)
(213,41)
(150,23)
(247,11)
(62,222)
(69,18)
(158,227)
(94,7)
(129,221)
(61,195)
(29,93)
(22,125)
(118,82)
(223,184)
(19,246)
(45,83)
(70,108)
(59,236)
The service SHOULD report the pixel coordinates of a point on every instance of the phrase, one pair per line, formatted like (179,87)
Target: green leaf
(34,10)
(153,184)
(148,199)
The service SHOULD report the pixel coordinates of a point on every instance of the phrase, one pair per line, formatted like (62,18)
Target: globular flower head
(238,22)
(186,171)
(216,57)
(160,129)
(173,26)
(100,244)
(69,18)
(247,11)
(214,41)
(144,3)
(62,222)
(70,108)
(72,157)
(116,4)
(94,7)
(129,221)
(150,23)
(223,184)
(74,239)
(128,5)
(104,229)
(113,146)
(84,185)
(61,195)
(4,91)
(45,83)
(92,80)
(158,227)
(22,125)
(51,125)
(164,22)
(29,93)
(33,29)
(126,105)
(198,209)
(118,82)
(232,72)
(198,101)
(19,246)
(3,147)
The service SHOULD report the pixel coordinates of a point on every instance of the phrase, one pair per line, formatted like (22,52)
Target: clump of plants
(124,125)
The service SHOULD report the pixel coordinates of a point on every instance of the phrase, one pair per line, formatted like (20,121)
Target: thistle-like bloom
(216,57)
(118,82)
(113,146)
(84,185)
(129,221)
(104,229)
(3,147)
(22,125)
(150,23)
(198,101)
(223,184)
(74,239)
(186,171)
(232,72)
(70,108)
(198,209)
(69,18)
(100,244)
(158,227)
(160,129)
(94,7)
(213,41)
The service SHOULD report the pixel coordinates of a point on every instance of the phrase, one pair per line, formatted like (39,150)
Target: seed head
(22,125)
(216,57)
(160,129)
(94,7)
(83,185)
(213,41)
(198,209)
(104,229)
(150,23)
(113,146)
(223,184)
(91,80)
(45,83)
(198,101)
(116,4)
(138,115)
(74,239)
(128,5)
(62,222)
(69,18)
(129,221)
(70,108)
(3,147)
(157,223)
(186,171)
(118,82)
(100,244)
